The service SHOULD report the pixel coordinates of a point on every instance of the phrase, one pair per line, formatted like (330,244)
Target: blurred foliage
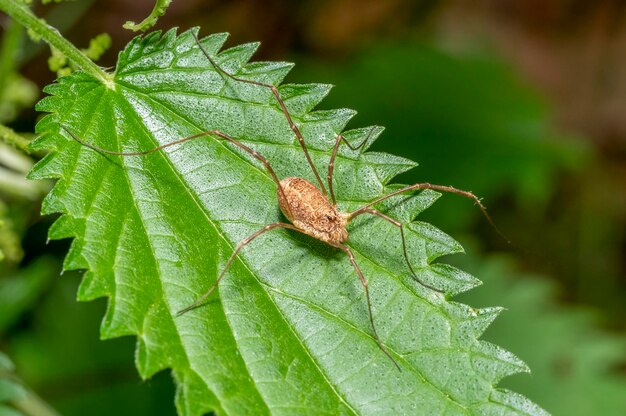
(15,398)
(16,92)
(14,164)
(20,285)
(18,141)
(10,388)
(575,366)
(10,248)
(18,292)
(60,64)
(98,46)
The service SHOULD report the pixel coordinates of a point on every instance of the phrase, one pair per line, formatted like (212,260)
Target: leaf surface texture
(287,331)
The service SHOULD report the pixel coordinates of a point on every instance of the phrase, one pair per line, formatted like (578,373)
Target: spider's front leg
(217,133)
(280,101)
(240,246)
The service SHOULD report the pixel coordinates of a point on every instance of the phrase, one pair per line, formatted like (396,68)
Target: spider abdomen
(310,210)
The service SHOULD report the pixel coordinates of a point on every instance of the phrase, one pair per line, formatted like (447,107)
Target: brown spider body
(309,210)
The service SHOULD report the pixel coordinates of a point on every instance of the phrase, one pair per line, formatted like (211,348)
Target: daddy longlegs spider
(312,210)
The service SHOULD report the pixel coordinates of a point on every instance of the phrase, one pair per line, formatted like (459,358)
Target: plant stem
(34,405)
(9,136)
(9,49)
(23,15)
(160,6)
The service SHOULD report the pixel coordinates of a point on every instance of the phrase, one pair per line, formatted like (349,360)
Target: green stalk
(23,15)
(33,405)
(9,136)
(9,49)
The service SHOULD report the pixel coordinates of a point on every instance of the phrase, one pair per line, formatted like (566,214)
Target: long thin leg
(441,188)
(369,304)
(241,245)
(217,133)
(281,103)
(331,164)
(406,256)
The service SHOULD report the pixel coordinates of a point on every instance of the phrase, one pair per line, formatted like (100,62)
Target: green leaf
(576,367)
(98,46)
(15,398)
(19,291)
(10,388)
(287,331)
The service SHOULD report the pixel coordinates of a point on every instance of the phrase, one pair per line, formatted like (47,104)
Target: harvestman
(305,205)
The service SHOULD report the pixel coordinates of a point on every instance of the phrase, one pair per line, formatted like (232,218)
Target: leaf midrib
(218,232)
(221,234)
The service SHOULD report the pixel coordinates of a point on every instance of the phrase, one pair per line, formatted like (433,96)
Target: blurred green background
(520,101)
